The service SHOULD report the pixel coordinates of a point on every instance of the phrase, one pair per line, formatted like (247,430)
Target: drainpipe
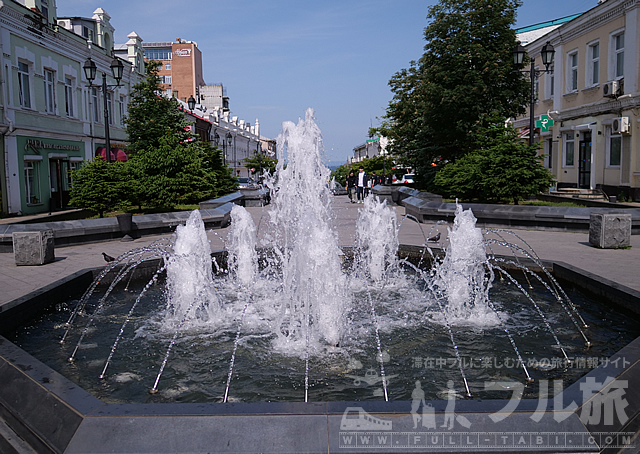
(3,85)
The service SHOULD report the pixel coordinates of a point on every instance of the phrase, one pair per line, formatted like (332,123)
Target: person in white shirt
(363,182)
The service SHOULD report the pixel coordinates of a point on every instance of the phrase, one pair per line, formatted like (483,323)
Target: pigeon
(107,258)
(434,239)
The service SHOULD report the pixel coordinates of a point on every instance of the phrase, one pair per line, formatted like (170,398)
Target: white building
(238,139)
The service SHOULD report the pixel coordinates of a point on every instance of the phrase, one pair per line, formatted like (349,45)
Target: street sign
(544,123)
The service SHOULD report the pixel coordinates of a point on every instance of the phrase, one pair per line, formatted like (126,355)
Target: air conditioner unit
(620,126)
(610,89)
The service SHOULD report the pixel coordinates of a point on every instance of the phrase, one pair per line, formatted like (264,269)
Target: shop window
(72,167)
(32,182)
(569,150)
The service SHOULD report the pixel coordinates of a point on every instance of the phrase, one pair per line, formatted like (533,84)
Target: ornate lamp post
(191,102)
(90,70)
(547,54)
(229,138)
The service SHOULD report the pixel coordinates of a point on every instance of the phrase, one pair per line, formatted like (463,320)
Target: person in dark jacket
(351,187)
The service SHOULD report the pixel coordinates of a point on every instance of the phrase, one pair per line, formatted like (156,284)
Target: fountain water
(299,319)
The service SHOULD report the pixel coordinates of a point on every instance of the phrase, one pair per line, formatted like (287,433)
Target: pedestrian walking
(351,187)
(362,185)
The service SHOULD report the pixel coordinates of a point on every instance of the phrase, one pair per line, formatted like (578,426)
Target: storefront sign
(37,143)
(182,52)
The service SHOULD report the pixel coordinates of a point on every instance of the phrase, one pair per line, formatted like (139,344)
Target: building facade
(181,66)
(371,148)
(238,139)
(592,94)
(52,119)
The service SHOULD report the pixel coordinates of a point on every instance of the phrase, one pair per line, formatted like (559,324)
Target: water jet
(275,314)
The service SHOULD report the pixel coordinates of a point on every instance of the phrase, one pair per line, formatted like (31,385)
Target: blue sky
(276,58)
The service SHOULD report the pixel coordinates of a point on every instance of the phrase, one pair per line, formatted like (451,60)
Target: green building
(51,118)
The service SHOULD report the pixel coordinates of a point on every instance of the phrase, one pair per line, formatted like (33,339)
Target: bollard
(610,230)
(33,248)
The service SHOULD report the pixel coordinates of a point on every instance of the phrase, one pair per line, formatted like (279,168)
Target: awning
(121,155)
(102,151)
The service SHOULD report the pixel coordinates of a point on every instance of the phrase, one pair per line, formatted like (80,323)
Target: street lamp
(191,102)
(547,54)
(90,71)
(216,142)
(229,139)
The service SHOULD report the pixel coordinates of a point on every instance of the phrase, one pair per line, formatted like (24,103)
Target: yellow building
(593,95)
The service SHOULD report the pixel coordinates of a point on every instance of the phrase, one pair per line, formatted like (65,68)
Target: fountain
(299,319)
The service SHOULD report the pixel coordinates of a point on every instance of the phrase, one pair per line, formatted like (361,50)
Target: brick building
(181,70)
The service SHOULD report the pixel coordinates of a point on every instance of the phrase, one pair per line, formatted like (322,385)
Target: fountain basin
(54,414)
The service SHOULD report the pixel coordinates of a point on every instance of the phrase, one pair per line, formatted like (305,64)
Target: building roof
(531,33)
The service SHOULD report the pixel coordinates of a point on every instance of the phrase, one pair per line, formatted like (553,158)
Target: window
(23,85)
(73,166)
(593,70)
(121,108)
(569,149)
(110,106)
(68,96)
(615,151)
(536,88)
(158,54)
(31,182)
(618,50)
(44,7)
(167,66)
(166,79)
(548,153)
(572,72)
(95,100)
(549,81)
(49,91)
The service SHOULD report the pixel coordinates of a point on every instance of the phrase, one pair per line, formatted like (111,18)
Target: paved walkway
(621,266)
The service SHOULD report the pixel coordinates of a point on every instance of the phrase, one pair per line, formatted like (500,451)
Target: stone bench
(254,197)
(234,197)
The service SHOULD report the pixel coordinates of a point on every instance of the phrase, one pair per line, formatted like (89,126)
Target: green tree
(100,186)
(464,76)
(221,176)
(168,166)
(376,164)
(172,173)
(260,163)
(503,168)
(151,115)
